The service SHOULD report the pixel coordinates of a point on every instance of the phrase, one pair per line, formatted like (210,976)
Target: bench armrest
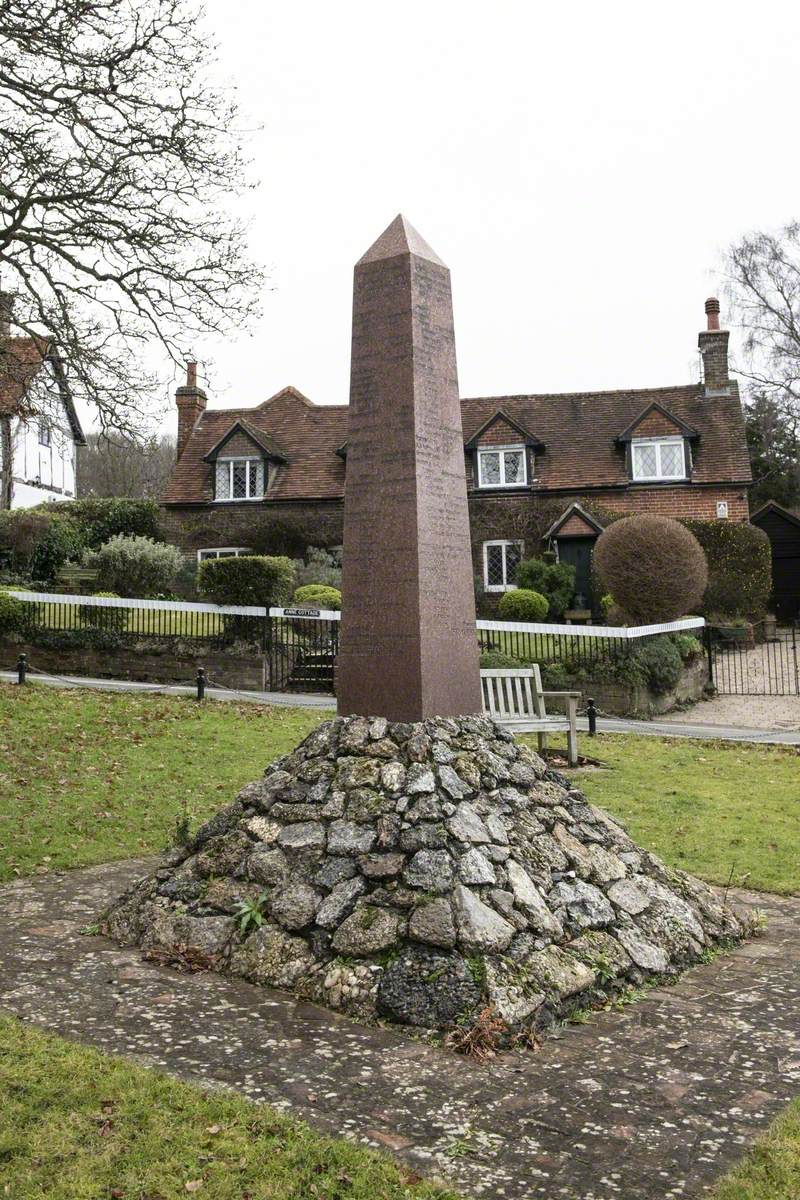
(575,694)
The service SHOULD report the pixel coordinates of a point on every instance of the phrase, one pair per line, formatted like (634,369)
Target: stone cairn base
(422,873)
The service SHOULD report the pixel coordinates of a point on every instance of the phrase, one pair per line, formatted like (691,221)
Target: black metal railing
(299,647)
(57,621)
(754,660)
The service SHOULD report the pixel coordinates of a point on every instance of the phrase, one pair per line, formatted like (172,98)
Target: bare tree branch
(118,161)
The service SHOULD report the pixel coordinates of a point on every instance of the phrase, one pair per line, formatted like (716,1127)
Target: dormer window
(658,459)
(502,466)
(239,479)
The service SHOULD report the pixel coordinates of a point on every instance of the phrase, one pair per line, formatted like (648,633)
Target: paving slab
(655,1100)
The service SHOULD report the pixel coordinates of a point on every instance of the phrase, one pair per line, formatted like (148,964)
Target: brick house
(542,470)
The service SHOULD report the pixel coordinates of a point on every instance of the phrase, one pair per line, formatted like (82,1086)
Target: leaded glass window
(239,479)
(504,467)
(658,458)
(500,562)
(223,480)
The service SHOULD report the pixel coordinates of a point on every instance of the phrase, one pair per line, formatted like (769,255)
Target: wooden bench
(515,699)
(73,577)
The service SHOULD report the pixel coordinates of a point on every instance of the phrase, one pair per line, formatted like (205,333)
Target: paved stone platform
(654,1101)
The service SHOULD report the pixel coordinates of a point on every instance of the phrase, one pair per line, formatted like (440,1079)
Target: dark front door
(578,552)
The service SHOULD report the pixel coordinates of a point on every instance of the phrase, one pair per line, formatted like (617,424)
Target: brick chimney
(191,402)
(713,345)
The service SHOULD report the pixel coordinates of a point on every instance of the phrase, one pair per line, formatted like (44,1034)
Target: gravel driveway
(770,667)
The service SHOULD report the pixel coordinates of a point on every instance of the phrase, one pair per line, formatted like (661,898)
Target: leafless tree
(118,160)
(763,276)
(112,465)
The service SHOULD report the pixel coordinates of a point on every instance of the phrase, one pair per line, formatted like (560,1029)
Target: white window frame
(502,451)
(211,552)
(658,442)
(45,433)
(505,586)
(240,458)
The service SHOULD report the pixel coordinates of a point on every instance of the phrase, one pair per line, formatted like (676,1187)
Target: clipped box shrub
(103,618)
(555,581)
(523,604)
(316,595)
(739,568)
(135,566)
(654,568)
(12,613)
(249,579)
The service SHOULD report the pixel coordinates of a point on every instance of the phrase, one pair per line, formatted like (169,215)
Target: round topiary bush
(318,595)
(653,567)
(523,604)
(103,618)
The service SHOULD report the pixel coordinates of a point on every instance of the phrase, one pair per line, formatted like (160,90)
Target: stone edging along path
(653,1101)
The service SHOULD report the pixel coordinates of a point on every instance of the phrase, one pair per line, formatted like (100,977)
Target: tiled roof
(580,429)
(20,360)
(579,432)
(307,434)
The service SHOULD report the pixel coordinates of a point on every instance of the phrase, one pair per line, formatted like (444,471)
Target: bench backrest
(514,693)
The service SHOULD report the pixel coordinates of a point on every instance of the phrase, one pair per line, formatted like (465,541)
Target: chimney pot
(191,402)
(712,312)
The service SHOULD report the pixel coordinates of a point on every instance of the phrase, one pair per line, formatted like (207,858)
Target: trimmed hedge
(653,566)
(101,519)
(248,579)
(318,596)
(35,543)
(523,604)
(739,568)
(555,581)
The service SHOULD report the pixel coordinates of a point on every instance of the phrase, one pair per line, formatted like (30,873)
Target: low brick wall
(242,673)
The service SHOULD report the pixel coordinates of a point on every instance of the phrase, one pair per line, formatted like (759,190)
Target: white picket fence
(616,632)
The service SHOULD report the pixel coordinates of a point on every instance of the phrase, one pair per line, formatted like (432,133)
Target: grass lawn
(78,1125)
(87,777)
(725,812)
(771,1168)
(91,776)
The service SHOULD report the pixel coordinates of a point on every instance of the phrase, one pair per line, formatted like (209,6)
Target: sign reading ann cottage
(408,649)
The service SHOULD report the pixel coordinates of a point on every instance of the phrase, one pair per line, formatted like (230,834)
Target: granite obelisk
(409,648)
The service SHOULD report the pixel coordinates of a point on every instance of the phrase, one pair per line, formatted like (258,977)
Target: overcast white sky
(579,167)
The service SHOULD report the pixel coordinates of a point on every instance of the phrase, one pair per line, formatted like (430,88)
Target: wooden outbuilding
(782,527)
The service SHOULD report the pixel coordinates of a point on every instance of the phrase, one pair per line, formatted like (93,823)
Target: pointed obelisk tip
(400,238)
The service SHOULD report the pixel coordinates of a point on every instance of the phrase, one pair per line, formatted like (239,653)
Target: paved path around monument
(664,728)
(653,1101)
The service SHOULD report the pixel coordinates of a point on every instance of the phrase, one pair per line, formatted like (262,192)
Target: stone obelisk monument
(409,647)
